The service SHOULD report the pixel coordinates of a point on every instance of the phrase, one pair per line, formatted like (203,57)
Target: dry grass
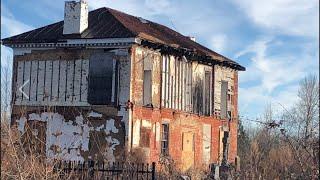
(16,163)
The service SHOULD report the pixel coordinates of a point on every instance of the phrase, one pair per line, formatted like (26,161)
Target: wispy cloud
(284,16)
(10,27)
(273,77)
(278,69)
(218,42)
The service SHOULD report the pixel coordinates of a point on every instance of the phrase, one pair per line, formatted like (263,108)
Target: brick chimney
(75,17)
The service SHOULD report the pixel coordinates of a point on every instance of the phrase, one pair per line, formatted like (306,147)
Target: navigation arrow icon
(20,89)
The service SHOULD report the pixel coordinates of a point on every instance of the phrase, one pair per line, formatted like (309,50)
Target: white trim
(110,42)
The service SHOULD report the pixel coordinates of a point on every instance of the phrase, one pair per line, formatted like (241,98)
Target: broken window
(147,81)
(224,101)
(102,71)
(165,139)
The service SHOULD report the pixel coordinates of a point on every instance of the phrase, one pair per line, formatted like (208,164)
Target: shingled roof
(109,23)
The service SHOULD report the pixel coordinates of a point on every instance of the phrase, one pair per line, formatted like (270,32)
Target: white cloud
(11,26)
(218,42)
(274,70)
(274,78)
(253,100)
(295,17)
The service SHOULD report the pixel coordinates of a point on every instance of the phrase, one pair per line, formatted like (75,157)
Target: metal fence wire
(104,170)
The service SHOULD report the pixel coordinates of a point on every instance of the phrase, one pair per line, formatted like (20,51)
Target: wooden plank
(19,82)
(178,84)
(70,78)
(174,84)
(170,82)
(26,77)
(167,82)
(113,92)
(183,86)
(41,79)
(62,81)
(189,87)
(55,81)
(34,81)
(48,81)
(77,81)
(163,81)
(84,80)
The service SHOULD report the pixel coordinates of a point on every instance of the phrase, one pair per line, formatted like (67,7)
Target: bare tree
(302,129)
(6,75)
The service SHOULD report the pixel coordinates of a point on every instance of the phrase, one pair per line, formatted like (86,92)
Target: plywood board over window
(224,95)
(206,145)
(147,80)
(145,137)
(187,154)
(52,82)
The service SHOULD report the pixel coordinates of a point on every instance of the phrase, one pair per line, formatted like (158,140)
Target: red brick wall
(179,121)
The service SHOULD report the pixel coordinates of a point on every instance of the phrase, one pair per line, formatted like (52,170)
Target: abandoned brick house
(102,82)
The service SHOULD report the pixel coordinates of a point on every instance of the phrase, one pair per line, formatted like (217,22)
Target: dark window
(147,87)
(223,105)
(225,141)
(165,139)
(197,93)
(101,79)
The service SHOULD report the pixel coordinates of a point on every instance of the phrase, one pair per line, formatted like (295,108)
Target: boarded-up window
(145,137)
(147,80)
(224,93)
(147,87)
(102,79)
(165,139)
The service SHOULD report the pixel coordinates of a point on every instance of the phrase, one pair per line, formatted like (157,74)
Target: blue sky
(276,40)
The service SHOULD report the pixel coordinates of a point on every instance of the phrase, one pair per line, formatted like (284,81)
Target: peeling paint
(68,139)
(94,114)
(146,123)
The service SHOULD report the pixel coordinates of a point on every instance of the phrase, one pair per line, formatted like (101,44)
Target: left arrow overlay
(20,89)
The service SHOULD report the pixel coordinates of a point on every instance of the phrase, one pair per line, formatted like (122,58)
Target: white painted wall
(71,137)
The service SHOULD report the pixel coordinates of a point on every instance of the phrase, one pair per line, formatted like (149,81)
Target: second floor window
(224,99)
(147,81)
(102,79)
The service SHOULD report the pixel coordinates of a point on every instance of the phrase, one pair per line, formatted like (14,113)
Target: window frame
(164,146)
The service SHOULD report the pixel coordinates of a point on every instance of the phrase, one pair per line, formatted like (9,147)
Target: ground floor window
(165,139)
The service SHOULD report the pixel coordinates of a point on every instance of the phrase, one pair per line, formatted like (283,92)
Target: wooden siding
(52,82)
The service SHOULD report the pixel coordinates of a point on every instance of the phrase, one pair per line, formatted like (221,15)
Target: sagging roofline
(128,42)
